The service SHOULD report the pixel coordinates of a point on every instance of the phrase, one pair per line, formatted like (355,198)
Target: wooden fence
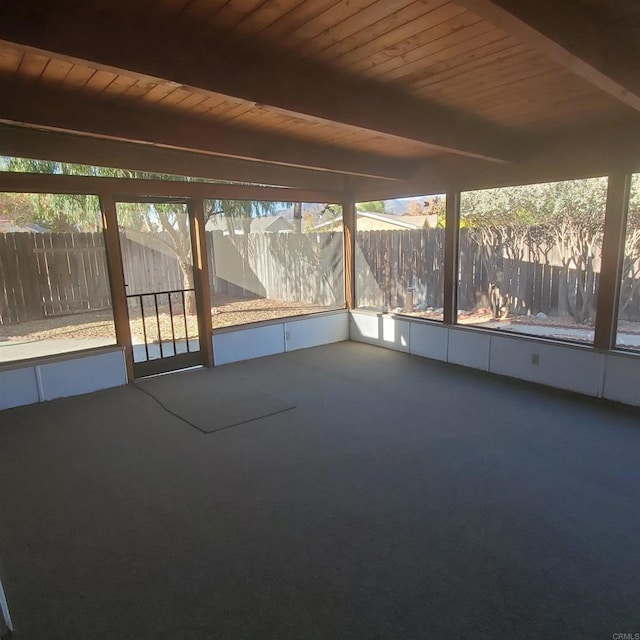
(281,266)
(148,267)
(44,275)
(51,274)
(389,262)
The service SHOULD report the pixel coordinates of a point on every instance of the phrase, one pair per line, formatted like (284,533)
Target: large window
(400,256)
(54,286)
(529,258)
(628,336)
(271,260)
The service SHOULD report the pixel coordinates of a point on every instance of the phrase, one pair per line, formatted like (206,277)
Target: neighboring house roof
(8,226)
(372,221)
(270,224)
(262,224)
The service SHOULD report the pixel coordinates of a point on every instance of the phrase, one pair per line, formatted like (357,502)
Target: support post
(116,279)
(451,236)
(201,277)
(349,223)
(615,224)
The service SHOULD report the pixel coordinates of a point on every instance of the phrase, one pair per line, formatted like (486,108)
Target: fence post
(615,224)
(451,236)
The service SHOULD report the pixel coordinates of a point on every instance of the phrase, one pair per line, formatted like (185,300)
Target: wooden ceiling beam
(123,188)
(58,108)
(572,36)
(23,142)
(211,62)
(582,154)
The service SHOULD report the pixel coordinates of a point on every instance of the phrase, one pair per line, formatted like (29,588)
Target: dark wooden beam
(23,142)
(116,280)
(122,188)
(583,42)
(581,154)
(214,62)
(201,278)
(451,242)
(74,111)
(612,258)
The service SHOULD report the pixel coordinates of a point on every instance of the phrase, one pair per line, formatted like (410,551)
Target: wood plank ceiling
(376,88)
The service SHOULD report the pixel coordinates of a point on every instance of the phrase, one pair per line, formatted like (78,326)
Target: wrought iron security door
(156,248)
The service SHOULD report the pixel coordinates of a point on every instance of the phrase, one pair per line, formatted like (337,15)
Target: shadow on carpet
(210,404)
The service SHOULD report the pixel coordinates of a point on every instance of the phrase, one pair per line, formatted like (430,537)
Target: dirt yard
(558,327)
(228,311)
(225,312)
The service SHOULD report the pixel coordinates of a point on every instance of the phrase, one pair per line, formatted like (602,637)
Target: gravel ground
(557,327)
(225,312)
(228,311)
(483,317)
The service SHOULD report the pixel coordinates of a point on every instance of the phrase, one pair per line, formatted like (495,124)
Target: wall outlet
(535,359)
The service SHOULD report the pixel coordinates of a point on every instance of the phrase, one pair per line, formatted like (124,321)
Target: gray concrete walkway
(13,351)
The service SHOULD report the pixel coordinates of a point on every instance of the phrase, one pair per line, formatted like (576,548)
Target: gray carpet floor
(400,499)
(212,403)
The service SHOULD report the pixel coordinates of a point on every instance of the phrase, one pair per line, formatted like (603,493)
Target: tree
(435,205)
(64,212)
(308,222)
(375,206)
(174,234)
(326,214)
(499,223)
(415,208)
(238,214)
(18,208)
(554,222)
(631,265)
(60,212)
(574,220)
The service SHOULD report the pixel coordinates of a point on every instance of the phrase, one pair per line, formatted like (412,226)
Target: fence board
(29,277)
(11,277)
(6,314)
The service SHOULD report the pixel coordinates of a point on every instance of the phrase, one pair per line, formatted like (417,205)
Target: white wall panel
(396,333)
(469,349)
(382,330)
(429,340)
(365,327)
(82,375)
(559,366)
(313,332)
(246,344)
(622,378)
(18,387)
